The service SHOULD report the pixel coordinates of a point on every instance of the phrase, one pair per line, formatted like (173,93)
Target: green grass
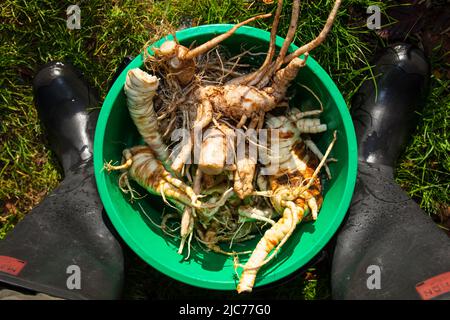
(35,32)
(424,169)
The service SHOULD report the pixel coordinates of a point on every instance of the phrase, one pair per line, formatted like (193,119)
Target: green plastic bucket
(116,131)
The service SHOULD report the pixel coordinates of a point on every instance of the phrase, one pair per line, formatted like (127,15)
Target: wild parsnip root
(217,150)
(179,60)
(140,89)
(241,102)
(293,199)
(292,127)
(142,166)
(213,98)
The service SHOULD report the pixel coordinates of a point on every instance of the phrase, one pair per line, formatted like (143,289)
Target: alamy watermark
(374,280)
(73,21)
(374,20)
(73,13)
(73,281)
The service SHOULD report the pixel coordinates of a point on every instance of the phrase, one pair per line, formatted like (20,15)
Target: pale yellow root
(277,234)
(185,147)
(283,77)
(149,172)
(243,177)
(297,216)
(250,78)
(320,38)
(256,214)
(270,70)
(213,152)
(167,189)
(215,41)
(187,219)
(187,226)
(311,125)
(242,121)
(109,167)
(315,150)
(282,230)
(299,190)
(140,89)
(182,186)
(125,187)
(290,35)
(203,118)
(246,166)
(312,204)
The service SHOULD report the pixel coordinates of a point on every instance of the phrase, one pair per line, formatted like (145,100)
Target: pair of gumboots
(202,90)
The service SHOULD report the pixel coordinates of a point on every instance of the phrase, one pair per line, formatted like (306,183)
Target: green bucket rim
(116,218)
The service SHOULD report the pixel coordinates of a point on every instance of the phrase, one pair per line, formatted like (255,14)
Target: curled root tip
(180,249)
(244,290)
(109,167)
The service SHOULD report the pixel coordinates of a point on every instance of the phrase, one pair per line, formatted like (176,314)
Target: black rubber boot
(388,248)
(65,246)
